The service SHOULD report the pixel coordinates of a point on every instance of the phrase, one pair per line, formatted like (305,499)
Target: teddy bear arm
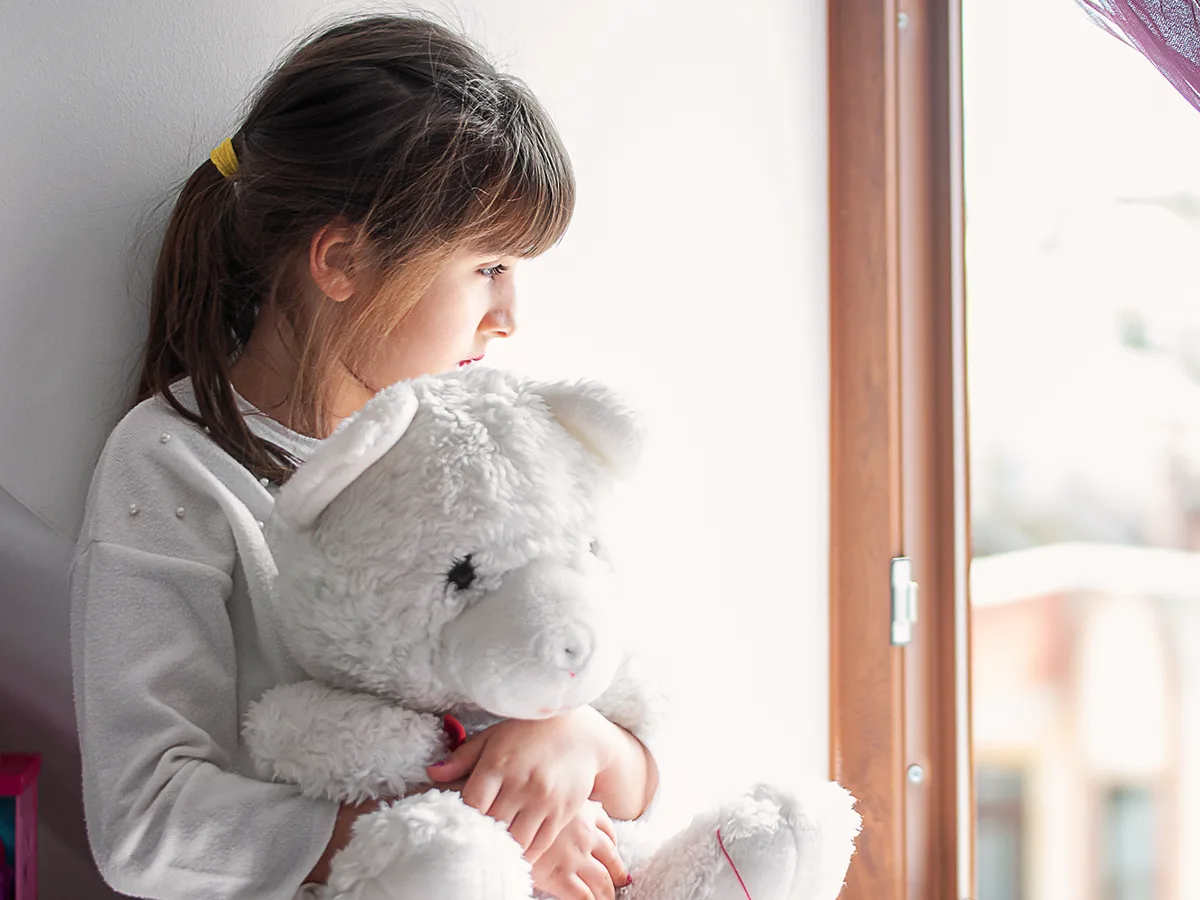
(341,745)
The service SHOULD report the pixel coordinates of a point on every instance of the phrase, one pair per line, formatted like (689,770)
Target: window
(999,832)
(1130,853)
(1083,576)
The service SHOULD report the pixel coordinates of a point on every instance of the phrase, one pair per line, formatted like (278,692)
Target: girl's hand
(534,776)
(582,863)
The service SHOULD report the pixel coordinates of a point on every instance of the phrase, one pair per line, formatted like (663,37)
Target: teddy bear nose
(571,650)
(568,656)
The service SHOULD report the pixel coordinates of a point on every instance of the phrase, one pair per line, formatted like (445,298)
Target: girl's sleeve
(157,709)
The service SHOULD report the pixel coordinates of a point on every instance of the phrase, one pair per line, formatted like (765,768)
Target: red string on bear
(736,873)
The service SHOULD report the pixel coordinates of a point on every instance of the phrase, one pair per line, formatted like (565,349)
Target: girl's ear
(354,447)
(597,418)
(331,260)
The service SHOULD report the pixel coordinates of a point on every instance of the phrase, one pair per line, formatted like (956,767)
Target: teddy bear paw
(430,845)
(777,846)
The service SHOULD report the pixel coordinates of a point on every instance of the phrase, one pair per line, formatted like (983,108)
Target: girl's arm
(637,703)
(156,668)
(629,780)
(156,705)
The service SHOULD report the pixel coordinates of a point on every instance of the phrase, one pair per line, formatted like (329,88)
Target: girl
(361,227)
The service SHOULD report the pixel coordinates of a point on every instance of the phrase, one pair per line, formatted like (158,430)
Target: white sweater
(173,634)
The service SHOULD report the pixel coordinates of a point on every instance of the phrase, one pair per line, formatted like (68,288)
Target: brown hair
(397,125)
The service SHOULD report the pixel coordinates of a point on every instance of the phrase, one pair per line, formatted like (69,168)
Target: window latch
(904,601)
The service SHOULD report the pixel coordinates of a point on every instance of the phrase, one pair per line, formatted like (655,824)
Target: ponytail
(203,304)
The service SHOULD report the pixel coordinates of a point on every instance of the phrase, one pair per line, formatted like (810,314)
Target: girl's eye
(461,574)
(493,271)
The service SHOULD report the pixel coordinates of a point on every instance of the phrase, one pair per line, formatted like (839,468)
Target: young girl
(361,227)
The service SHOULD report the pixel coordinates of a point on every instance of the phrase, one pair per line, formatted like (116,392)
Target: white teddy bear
(438,557)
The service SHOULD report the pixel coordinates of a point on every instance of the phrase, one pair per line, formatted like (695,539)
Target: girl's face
(471,301)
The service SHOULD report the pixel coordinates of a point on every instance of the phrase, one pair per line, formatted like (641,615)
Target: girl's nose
(499,323)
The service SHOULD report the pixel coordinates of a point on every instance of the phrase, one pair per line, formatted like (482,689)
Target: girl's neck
(265,374)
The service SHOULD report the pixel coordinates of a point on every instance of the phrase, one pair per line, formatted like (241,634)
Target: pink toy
(18,778)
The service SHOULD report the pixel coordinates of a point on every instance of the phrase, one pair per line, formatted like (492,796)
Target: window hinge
(904,601)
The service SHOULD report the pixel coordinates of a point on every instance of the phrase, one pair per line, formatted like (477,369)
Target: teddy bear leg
(766,845)
(426,846)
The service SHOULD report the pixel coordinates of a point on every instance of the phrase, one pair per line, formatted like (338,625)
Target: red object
(721,842)
(18,778)
(455,732)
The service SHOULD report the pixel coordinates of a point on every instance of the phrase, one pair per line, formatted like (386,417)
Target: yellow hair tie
(224,158)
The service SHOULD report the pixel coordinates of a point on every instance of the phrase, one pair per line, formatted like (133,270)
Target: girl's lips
(467,362)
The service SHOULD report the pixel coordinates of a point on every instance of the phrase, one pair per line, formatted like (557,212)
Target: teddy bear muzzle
(543,643)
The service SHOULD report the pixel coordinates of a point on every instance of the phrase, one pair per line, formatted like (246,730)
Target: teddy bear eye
(462,573)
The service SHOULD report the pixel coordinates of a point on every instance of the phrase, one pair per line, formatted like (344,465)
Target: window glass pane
(998,831)
(1083,347)
(1129,844)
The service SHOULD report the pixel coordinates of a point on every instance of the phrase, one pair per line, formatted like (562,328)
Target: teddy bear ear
(597,418)
(353,448)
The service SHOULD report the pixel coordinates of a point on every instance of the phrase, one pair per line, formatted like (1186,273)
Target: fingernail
(630,881)
(439,765)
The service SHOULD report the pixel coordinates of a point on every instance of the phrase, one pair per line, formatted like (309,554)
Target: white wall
(695,276)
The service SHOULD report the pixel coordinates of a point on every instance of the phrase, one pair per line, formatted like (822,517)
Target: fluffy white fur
(439,554)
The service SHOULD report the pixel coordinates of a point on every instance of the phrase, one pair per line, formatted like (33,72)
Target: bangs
(524,192)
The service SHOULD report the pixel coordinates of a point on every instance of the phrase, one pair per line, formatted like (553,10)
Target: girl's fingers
(606,854)
(541,842)
(604,823)
(524,828)
(569,887)
(505,806)
(579,889)
(547,834)
(459,763)
(481,791)
(596,876)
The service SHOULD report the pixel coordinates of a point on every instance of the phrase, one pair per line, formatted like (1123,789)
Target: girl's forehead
(483,250)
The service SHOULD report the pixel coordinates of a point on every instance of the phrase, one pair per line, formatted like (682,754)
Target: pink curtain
(1167,32)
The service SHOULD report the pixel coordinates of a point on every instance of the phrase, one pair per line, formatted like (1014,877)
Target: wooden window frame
(898,463)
